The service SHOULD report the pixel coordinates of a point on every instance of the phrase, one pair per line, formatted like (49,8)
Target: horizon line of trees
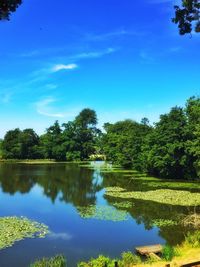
(170,148)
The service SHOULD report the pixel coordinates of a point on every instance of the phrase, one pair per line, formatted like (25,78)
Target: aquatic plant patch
(165,196)
(14,229)
(106,213)
(123,204)
(164,222)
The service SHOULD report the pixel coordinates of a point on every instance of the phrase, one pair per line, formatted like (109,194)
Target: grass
(14,229)
(57,261)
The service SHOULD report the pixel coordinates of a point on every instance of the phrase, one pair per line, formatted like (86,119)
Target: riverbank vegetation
(169,149)
(185,253)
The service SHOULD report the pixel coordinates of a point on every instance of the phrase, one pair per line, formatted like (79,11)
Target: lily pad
(14,229)
(102,213)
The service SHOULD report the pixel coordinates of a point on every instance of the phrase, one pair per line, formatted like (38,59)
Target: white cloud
(114,34)
(59,67)
(95,54)
(45,107)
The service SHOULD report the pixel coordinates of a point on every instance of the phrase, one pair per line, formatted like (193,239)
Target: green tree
(52,143)
(187,16)
(11,146)
(193,131)
(29,144)
(8,6)
(123,141)
(80,136)
(165,153)
(19,144)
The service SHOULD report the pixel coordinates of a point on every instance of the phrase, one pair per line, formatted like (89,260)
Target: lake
(84,223)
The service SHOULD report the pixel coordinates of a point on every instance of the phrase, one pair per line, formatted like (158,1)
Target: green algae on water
(105,213)
(164,196)
(14,229)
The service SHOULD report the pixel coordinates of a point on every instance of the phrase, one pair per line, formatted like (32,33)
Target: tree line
(170,148)
(187,14)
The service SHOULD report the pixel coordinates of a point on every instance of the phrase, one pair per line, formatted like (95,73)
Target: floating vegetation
(123,204)
(114,189)
(106,213)
(165,196)
(14,229)
(164,222)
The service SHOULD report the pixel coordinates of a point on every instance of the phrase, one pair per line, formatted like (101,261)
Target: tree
(188,16)
(52,143)
(19,144)
(8,6)
(123,141)
(193,131)
(80,136)
(29,144)
(165,152)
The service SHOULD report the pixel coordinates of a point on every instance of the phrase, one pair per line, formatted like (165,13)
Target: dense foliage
(75,140)
(187,16)
(8,6)
(169,149)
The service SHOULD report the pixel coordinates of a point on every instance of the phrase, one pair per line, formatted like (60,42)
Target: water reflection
(70,183)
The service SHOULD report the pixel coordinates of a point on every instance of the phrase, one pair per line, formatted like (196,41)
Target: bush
(168,252)
(57,261)
(101,261)
(193,239)
(129,259)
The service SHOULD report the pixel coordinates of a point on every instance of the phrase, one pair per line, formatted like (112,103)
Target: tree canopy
(7,7)
(169,149)
(187,16)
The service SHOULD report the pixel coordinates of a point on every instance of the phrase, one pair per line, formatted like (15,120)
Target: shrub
(168,252)
(193,239)
(57,261)
(129,259)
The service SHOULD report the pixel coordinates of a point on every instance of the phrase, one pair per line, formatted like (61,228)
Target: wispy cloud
(95,54)
(43,108)
(113,34)
(48,107)
(60,67)
(146,58)
(28,54)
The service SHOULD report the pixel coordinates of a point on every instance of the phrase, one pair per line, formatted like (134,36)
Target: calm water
(56,195)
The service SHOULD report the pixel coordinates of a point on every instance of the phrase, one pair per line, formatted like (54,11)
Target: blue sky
(125,59)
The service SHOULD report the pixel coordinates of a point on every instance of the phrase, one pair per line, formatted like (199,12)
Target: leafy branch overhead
(187,16)
(7,7)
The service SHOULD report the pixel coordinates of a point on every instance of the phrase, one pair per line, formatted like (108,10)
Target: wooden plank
(154,256)
(192,264)
(149,249)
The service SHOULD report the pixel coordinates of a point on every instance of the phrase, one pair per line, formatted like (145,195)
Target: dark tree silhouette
(187,16)
(7,7)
